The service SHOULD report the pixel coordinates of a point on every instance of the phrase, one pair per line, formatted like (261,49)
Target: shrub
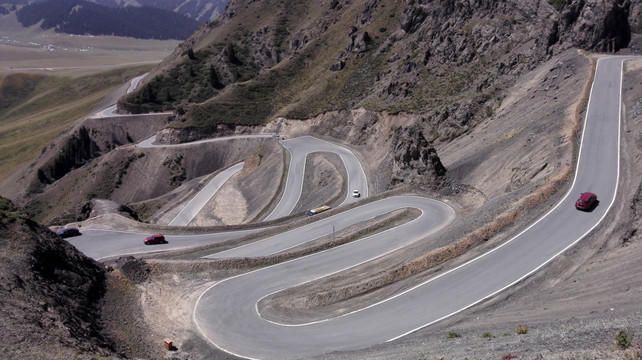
(557,4)
(509,356)
(453,334)
(622,339)
(521,329)
(487,335)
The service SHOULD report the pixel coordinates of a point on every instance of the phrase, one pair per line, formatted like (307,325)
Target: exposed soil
(324,182)
(243,198)
(49,294)
(511,160)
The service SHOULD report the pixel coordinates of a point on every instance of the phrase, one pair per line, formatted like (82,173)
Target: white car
(355,193)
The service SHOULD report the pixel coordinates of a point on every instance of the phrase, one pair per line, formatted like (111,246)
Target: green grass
(453,334)
(36,109)
(299,85)
(10,213)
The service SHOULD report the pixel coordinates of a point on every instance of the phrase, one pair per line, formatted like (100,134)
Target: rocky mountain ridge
(81,17)
(465,50)
(438,68)
(449,62)
(384,54)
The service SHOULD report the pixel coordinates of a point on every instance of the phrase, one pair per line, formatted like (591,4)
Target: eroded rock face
(178,136)
(596,25)
(50,291)
(415,159)
(635,17)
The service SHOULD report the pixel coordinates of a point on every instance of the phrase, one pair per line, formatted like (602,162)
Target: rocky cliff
(447,59)
(50,293)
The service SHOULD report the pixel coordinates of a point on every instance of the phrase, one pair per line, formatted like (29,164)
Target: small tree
(190,54)
(215,82)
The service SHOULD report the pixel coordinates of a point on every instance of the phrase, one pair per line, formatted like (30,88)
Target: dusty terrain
(572,308)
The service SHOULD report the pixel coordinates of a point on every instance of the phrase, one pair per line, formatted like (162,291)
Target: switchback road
(228,315)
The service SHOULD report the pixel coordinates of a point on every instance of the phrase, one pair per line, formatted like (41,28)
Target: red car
(155,239)
(586,201)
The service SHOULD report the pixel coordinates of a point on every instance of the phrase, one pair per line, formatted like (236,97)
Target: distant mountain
(87,18)
(200,10)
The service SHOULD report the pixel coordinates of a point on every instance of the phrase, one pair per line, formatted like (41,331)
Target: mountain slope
(199,10)
(446,64)
(447,60)
(50,293)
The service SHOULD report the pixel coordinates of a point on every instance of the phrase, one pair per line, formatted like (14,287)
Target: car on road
(356,193)
(586,202)
(68,232)
(155,239)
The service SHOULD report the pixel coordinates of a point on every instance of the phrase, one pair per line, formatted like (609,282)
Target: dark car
(68,232)
(155,239)
(586,202)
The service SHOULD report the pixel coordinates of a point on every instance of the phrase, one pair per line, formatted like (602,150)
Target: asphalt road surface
(194,206)
(299,149)
(227,313)
(102,244)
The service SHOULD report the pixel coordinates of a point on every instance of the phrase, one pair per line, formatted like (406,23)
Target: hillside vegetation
(35,109)
(496,86)
(448,60)
(440,67)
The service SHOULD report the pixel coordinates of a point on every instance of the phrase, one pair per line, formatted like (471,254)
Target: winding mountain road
(299,149)
(227,313)
(194,206)
(101,244)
